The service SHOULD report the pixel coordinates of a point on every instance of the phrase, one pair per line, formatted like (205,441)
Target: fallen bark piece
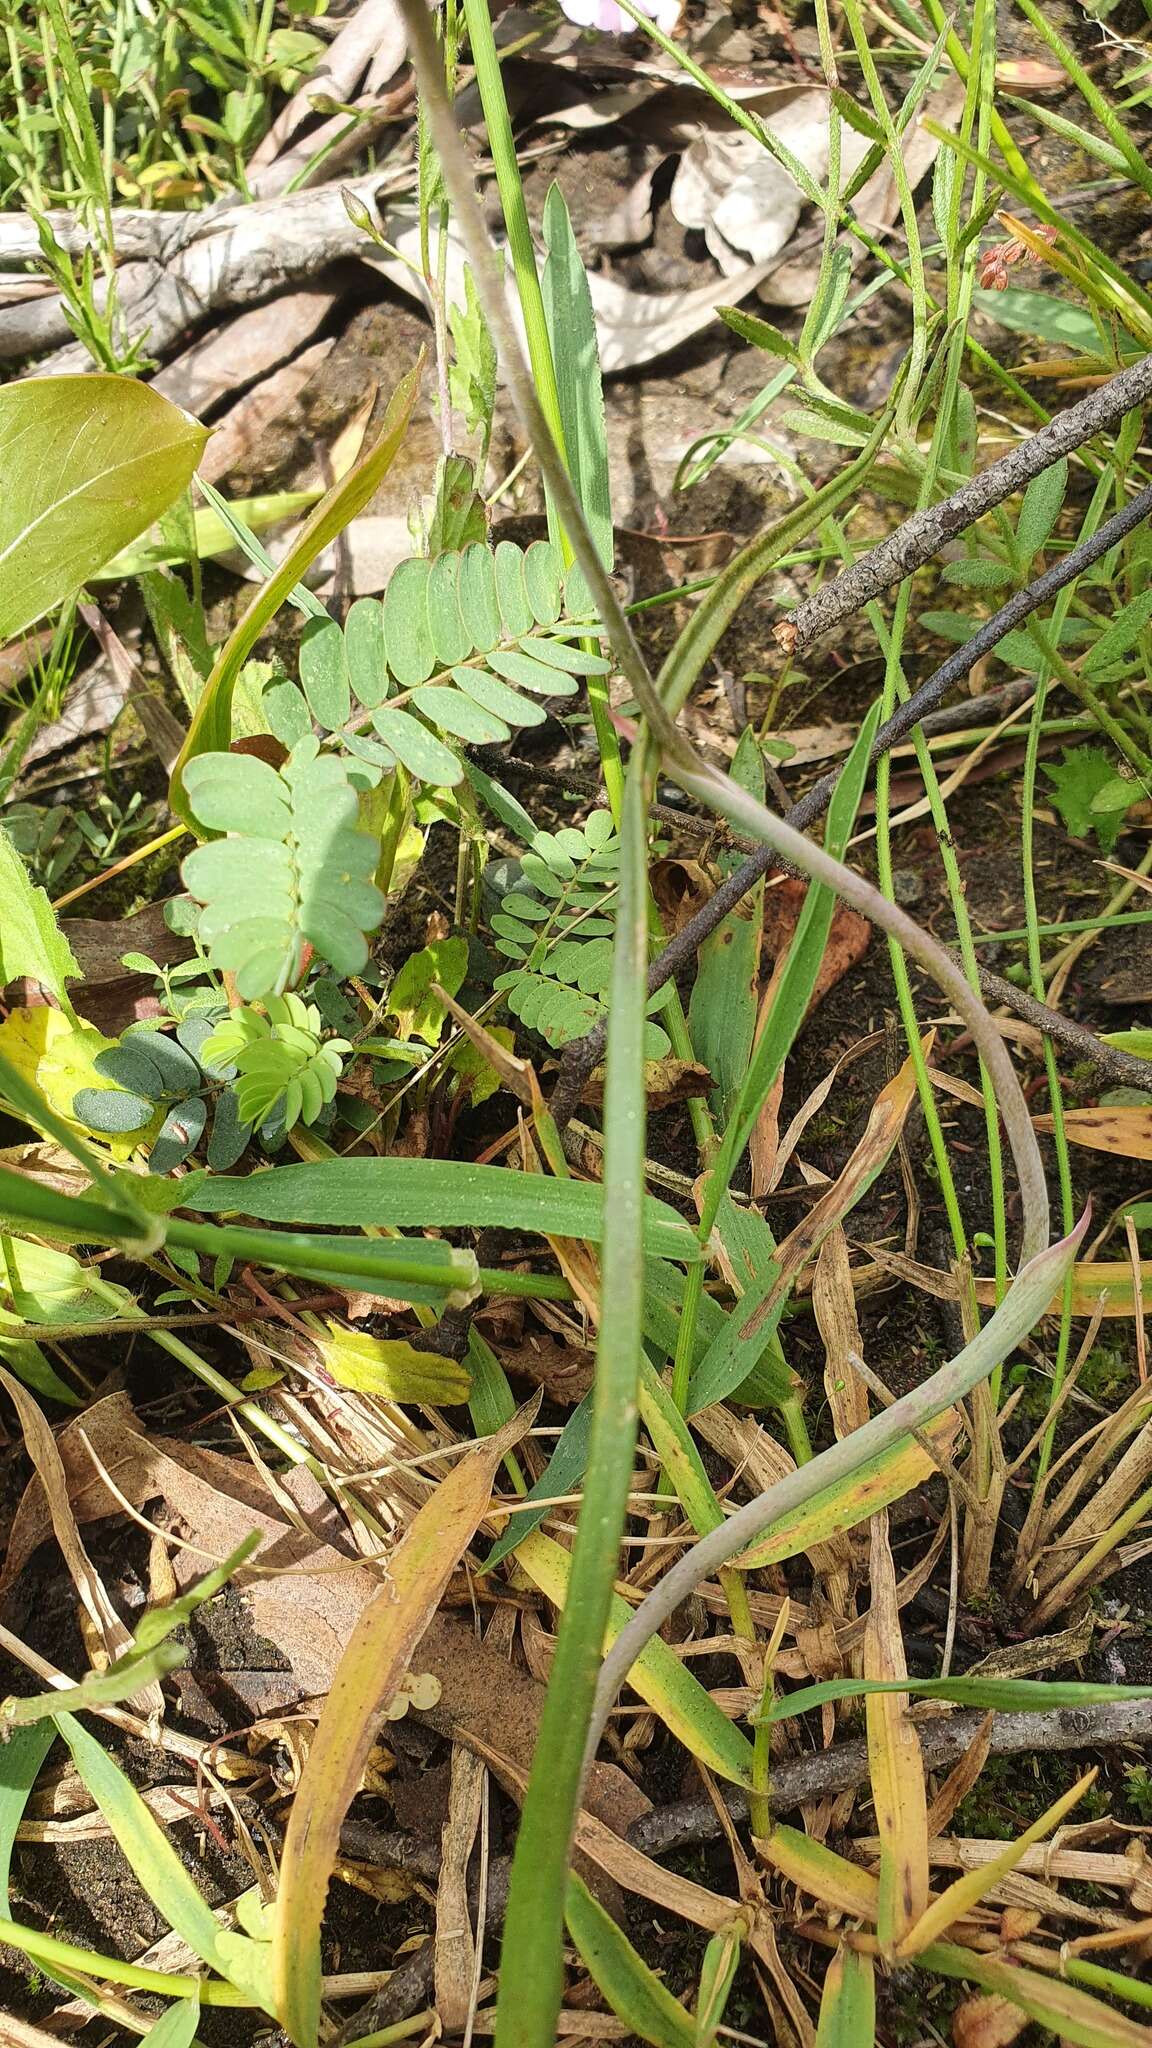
(235,354)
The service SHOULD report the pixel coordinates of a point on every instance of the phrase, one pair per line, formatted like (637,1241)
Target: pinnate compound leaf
(86,464)
(303,875)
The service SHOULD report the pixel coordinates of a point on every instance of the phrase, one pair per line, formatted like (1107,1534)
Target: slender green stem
(502,146)
(532,1974)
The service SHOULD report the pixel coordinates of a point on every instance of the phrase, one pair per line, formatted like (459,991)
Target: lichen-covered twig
(1120,1069)
(926,531)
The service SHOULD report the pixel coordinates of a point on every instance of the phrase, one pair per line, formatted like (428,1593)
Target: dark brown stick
(943,1742)
(1120,1069)
(925,533)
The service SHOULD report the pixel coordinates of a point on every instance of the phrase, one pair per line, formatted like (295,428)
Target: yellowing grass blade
(847,2002)
(844,1886)
(1070,2014)
(895,1760)
(882,1480)
(969,1889)
(370,1671)
(658,1676)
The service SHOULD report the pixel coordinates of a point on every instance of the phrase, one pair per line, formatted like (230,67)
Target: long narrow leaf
(998,1695)
(633,1991)
(444,1193)
(370,1672)
(532,1974)
(159,1869)
(211,728)
(658,1675)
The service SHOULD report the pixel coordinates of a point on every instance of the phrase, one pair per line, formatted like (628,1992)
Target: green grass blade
(998,1695)
(532,1975)
(634,1992)
(159,1869)
(412,1194)
(211,728)
(128,1675)
(20,1760)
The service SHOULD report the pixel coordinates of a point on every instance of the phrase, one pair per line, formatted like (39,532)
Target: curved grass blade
(658,1676)
(633,1991)
(211,728)
(161,1873)
(370,1672)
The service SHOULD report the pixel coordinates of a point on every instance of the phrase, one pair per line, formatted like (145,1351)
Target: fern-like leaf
(283,1068)
(294,868)
(462,647)
(557,924)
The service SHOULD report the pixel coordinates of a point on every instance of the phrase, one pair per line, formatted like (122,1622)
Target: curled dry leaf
(748,206)
(987,2022)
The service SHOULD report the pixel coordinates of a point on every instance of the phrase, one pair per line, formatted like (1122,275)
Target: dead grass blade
(959,1899)
(455,1961)
(370,1671)
(896,1764)
(112,1636)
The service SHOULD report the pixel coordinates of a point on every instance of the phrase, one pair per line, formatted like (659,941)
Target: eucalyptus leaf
(86,464)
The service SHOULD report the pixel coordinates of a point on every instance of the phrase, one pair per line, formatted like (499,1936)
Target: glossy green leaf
(86,464)
(175,2028)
